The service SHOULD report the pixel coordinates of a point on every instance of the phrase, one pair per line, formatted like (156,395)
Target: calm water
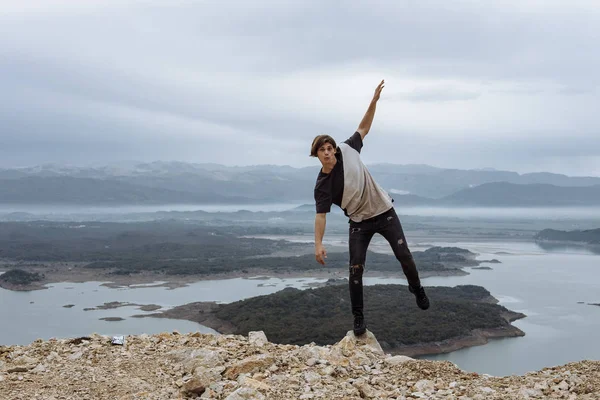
(27,316)
(546,286)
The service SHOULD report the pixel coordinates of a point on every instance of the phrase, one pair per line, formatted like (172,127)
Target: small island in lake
(18,279)
(459,317)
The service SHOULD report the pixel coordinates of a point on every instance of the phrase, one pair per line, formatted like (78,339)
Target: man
(345,181)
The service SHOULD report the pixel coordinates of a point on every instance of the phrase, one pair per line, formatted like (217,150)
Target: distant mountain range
(590,236)
(186,183)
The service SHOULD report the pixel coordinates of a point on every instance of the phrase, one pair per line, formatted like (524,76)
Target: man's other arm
(320,252)
(365,124)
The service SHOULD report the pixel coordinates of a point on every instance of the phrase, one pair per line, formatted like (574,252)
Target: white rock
(75,356)
(368,341)
(396,360)
(316,352)
(245,393)
(257,338)
(487,390)
(203,358)
(528,393)
(208,394)
(312,377)
(216,387)
(366,391)
(425,385)
(39,368)
(25,360)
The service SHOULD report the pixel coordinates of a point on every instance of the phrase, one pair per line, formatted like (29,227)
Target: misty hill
(70,190)
(509,194)
(590,236)
(178,182)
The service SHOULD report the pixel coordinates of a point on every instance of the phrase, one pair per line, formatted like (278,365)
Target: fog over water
(538,213)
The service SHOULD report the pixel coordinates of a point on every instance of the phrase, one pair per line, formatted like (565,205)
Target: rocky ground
(172,366)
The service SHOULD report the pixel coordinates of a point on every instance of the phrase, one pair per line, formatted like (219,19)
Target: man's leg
(359,238)
(392,231)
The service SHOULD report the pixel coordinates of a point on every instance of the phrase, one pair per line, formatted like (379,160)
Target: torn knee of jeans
(357,269)
(354,230)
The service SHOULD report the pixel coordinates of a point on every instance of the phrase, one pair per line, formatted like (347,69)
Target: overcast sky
(510,85)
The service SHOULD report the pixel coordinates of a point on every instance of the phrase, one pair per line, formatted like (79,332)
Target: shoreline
(202,313)
(478,337)
(73,273)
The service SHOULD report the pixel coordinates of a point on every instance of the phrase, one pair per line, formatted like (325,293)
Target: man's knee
(401,251)
(356,271)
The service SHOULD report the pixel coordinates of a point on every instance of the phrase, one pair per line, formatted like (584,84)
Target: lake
(545,285)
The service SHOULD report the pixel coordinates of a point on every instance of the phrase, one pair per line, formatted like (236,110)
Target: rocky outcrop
(233,367)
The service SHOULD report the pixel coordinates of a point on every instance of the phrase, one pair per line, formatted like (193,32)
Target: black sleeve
(355,141)
(323,200)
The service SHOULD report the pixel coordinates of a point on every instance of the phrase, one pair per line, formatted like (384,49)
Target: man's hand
(378,90)
(365,125)
(320,254)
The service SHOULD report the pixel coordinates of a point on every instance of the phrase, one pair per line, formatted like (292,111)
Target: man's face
(326,154)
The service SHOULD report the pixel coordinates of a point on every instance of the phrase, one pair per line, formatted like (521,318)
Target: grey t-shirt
(350,185)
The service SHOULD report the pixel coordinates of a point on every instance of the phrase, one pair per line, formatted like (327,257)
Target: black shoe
(422,300)
(359,326)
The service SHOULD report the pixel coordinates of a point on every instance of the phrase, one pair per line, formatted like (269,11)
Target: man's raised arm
(365,124)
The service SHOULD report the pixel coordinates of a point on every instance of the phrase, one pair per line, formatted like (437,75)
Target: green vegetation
(323,315)
(185,248)
(20,277)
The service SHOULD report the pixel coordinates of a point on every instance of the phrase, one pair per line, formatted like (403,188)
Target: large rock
(197,358)
(356,350)
(249,365)
(258,339)
(366,343)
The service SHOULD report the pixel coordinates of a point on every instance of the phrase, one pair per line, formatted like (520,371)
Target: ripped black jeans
(360,235)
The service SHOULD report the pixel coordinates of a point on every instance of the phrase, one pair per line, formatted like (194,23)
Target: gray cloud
(439,94)
(249,83)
